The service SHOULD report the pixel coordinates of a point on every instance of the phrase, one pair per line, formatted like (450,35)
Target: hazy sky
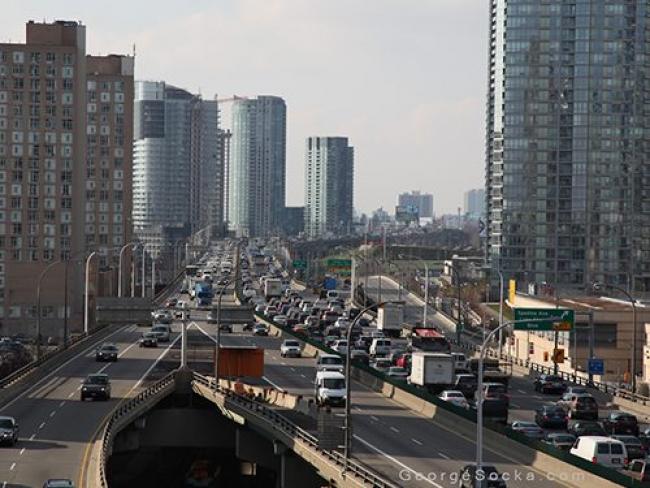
(405,80)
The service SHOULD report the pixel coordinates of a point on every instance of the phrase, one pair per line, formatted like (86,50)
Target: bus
(429,340)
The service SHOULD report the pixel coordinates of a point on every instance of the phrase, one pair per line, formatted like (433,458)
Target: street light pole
(426,285)
(86,297)
(217,345)
(144,269)
(119,270)
(500,312)
(38,306)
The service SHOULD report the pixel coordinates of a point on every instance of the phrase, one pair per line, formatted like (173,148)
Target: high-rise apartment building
(329,177)
(257,170)
(474,203)
(567,158)
(178,173)
(423,202)
(224,154)
(65,156)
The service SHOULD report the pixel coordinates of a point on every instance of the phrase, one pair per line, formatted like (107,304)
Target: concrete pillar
(295,472)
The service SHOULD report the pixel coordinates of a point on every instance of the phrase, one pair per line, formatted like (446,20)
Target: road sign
(596,366)
(299,264)
(544,319)
(558,356)
(339,263)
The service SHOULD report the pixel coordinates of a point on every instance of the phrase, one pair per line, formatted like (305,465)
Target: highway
(55,426)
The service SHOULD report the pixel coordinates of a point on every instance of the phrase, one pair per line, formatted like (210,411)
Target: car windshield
(159,328)
(334,383)
(563,438)
(97,380)
(292,343)
(528,425)
(6,424)
(331,360)
(109,348)
(455,394)
(149,335)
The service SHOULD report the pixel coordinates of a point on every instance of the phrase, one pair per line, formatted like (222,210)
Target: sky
(404,80)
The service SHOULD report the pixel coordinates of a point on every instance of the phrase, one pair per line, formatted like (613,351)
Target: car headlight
(84,389)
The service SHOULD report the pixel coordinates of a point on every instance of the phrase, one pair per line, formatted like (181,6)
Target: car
(560,440)
(581,406)
(454,397)
(600,450)
(260,308)
(576,390)
(397,373)
(162,332)
(587,428)
(211,317)
(548,383)
(466,383)
(381,364)
(361,356)
(551,415)
(329,362)
(380,346)
(290,348)
(58,483)
(171,303)
(340,346)
(96,386)
(634,447)
(106,352)
(460,361)
(529,429)
(260,330)
(280,319)
(638,470)
(622,423)
(486,477)
(226,328)
(8,430)
(494,391)
(162,316)
(148,339)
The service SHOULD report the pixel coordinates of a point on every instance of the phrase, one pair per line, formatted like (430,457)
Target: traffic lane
(54,447)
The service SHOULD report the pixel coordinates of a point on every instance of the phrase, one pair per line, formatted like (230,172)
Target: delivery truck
(272,288)
(432,371)
(390,318)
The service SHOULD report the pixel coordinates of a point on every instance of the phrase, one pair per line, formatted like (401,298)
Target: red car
(171,303)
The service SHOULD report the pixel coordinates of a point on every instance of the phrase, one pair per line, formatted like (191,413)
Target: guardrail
(292,430)
(124,412)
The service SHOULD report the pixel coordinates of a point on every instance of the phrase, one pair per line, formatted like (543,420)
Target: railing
(295,432)
(126,408)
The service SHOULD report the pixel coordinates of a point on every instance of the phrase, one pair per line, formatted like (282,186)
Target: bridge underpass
(184,431)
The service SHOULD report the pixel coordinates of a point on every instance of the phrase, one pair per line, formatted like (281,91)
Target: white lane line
(283,363)
(374,418)
(71,394)
(394,429)
(41,426)
(153,365)
(52,413)
(420,476)
(522,392)
(22,451)
(265,378)
(302,375)
(292,369)
(417,442)
(33,436)
(61,404)
(357,408)
(515,405)
(4,484)
(12,467)
(444,456)
(49,375)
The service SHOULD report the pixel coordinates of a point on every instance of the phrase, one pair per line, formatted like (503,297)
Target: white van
(380,346)
(329,388)
(460,361)
(601,450)
(329,362)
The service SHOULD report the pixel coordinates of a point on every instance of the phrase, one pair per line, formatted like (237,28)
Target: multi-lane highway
(55,426)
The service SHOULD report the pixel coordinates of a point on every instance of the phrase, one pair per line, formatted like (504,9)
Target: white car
(341,346)
(290,348)
(456,397)
(343,323)
(280,319)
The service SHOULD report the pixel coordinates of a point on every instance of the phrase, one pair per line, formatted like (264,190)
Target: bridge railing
(123,413)
(295,432)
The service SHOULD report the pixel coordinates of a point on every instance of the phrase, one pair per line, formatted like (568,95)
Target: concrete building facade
(329,186)
(65,173)
(257,169)
(567,164)
(474,203)
(423,202)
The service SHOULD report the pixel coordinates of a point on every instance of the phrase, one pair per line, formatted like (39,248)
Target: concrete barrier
(637,408)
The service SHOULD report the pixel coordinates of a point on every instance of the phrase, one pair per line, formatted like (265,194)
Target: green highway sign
(339,263)
(299,264)
(544,319)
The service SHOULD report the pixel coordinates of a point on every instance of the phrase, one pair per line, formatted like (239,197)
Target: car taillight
(625,461)
(594,460)
(545,417)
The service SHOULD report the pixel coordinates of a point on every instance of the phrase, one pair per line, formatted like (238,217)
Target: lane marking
(71,394)
(22,451)
(374,418)
(52,373)
(522,392)
(417,442)
(265,378)
(41,426)
(442,455)
(33,436)
(61,404)
(283,363)
(515,405)
(52,413)
(419,475)
(394,429)
(12,467)
(303,376)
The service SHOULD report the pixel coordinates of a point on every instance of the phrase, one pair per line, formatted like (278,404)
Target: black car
(106,352)
(148,339)
(551,416)
(486,477)
(260,330)
(633,445)
(621,423)
(8,431)
(466,384)
(587,428)
(96,386)
(560,440)
(548,383)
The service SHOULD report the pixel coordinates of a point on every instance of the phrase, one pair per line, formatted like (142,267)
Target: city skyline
(380,95)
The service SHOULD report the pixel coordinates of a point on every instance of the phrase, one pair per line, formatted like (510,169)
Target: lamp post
(38,306)
(134,269)
(86,297)
(458,329)
(217,345)
(119,269)
(597,286)
(500,311)
(426,285)
(347,446)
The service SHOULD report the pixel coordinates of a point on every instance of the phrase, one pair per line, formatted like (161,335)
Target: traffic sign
(544,319)
(299,264)
(558,356)
(596,366)
(339,263)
